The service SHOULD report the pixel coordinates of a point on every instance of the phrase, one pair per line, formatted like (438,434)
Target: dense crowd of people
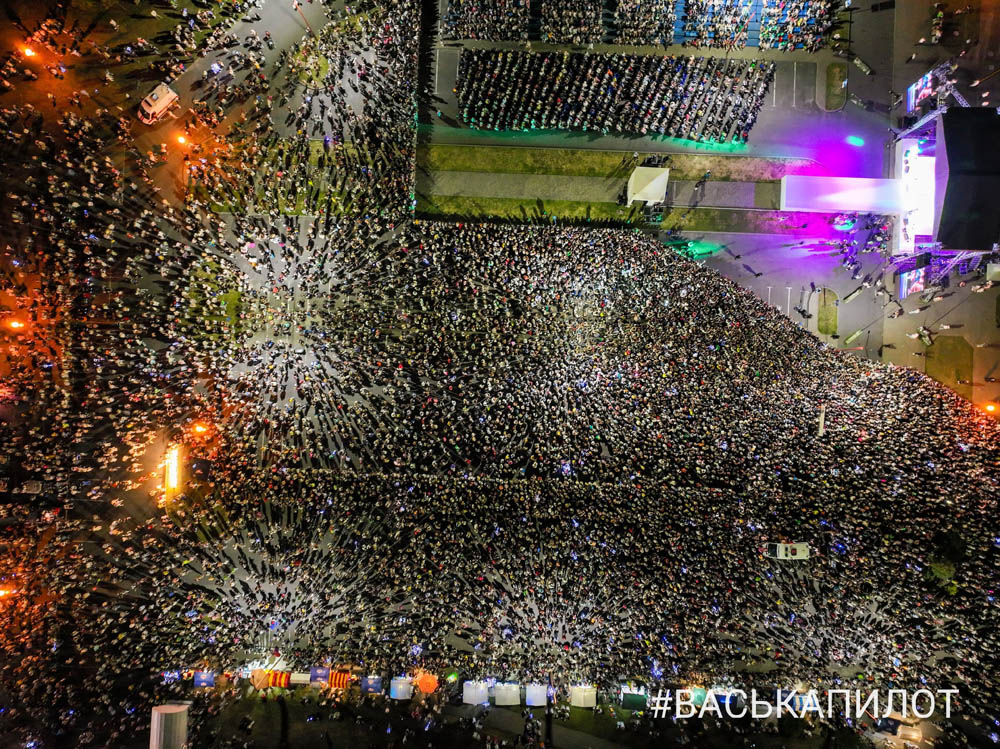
(729,24)
(698,98)
(487,20)
(572,22)
(524,452)
(796,24)
(641,22)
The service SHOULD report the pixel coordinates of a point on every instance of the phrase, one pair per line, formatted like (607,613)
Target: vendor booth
(633,697)
(535,695)
(340,679)
(583,695)
(507,694)
(204,678)
(318,675)
(401,688)
(475,693)
(264,679)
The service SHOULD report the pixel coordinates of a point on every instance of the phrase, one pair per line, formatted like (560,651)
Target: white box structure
(583,696)
(475,692)
(535,695)
(507,694)
(400,688)
(169,727)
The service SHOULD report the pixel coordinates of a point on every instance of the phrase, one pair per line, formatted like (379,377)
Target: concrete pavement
(788,272)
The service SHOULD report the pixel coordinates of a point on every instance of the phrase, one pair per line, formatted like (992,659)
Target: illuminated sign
(919,91)
(912,282)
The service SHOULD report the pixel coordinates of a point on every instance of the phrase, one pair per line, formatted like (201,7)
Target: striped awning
(340,679)
(279,678)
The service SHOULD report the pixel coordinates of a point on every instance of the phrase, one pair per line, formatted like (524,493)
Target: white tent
(507,694)
(583,696)
(648,183)
(475,692)
(535,695)
(169,727)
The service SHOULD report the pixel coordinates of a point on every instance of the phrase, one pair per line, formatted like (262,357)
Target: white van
(156,105)
(787,551)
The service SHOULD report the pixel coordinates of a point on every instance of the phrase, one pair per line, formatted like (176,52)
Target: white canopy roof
(648,183)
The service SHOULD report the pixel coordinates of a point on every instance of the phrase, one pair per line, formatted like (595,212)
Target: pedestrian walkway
(512,723)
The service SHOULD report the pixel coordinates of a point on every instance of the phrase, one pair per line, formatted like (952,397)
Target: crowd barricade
(507,694)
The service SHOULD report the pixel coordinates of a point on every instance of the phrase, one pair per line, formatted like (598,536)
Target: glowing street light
(172,469)
(991,407)
(29,52)
(201,429)
(15,324)
(181,139)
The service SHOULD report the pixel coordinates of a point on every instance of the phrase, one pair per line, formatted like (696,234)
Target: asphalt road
(287,28)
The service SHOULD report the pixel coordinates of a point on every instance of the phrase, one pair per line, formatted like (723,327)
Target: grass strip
(584,162)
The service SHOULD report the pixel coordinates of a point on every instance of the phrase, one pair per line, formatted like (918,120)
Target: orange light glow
(7,592)
(427,683)
(181,139)
(199,428)
(29,52)
(15,324)
(991,407)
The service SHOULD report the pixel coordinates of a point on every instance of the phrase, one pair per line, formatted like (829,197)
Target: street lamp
(15,324)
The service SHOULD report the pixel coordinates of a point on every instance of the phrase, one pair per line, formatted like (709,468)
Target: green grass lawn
(233,301)
(583,162)
(949,360)
(827,317)
(836,94)
(313,75)
(213,316)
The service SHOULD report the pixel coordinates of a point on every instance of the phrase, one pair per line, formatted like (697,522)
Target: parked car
(787,551)
(863,66)
(155,106)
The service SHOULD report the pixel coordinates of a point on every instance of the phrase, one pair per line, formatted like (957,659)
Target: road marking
(437,64)
(795,75)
